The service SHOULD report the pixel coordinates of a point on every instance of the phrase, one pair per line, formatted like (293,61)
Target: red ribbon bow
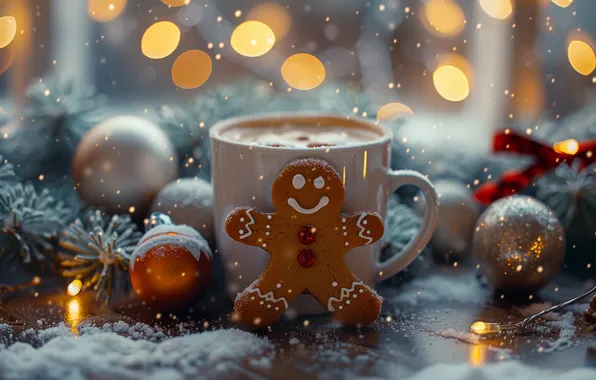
(546,159)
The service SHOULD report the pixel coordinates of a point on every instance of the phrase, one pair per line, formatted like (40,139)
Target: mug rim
(218,127)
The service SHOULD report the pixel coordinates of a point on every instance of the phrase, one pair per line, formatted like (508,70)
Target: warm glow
(176,3)
(191,69)
(581,56)
(105,10)
(477,356)
(443,17)
(499,9)
(73,314)
(562,3)
(273,15)
(8,29)
(6,58)
(160,40)
(392,110)
(303,71)
(74,287)
(451,83)
(252,39)
(570,146)
(482,328)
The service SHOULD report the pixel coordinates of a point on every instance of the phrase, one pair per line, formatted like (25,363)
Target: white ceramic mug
(243,175)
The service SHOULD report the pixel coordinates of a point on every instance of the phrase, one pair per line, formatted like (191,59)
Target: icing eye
(319,182)
(298,181)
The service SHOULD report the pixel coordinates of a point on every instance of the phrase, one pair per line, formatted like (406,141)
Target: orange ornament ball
(171,267)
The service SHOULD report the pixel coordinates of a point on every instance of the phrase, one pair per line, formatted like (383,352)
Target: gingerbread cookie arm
(361,229)
(248,226)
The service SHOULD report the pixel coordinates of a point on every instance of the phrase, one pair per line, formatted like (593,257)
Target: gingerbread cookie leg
(267,298)
(351,302)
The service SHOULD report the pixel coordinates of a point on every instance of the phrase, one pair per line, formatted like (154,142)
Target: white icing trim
(344,292)
(324,201)
(362,229)
(252,221)
(268,296)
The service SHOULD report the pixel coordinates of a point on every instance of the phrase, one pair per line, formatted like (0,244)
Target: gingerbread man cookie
(306,238)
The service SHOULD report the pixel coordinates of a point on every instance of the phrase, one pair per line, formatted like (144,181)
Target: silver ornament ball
(458,214)
(123,162)
(188,201)
(519,244)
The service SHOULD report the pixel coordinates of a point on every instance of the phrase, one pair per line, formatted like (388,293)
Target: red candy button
(306,258)
(307,235)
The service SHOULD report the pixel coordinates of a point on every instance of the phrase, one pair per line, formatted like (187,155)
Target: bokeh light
(252,39)
(303,71)
(443,18)
(160,40)
(581,57)
(176,3)
(499,9)
(74,287)
(570,146)
(451,83)
(105,10)
(562,3)
(191,69)
(273,15)
(6,58)
(8,29)
(392,110)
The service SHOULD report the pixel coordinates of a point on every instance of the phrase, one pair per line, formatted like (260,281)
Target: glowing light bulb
(499,9)
(74,287)
(303,71)
(451,83)
(252,39)
(160,40)
(570,146)
(581,57)
(443,18)
(8,30)
(273,15)
(105,10)
(562,3)
(392,110)
(483,328)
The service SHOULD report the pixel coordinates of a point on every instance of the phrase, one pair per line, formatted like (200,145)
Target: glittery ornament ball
(519,244)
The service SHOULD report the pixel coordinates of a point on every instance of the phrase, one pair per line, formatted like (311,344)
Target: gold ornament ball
(123,162)
(519,244)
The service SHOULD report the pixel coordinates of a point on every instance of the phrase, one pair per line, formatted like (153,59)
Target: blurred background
(485,60)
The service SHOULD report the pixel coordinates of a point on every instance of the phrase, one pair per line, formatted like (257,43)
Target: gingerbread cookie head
(308,187)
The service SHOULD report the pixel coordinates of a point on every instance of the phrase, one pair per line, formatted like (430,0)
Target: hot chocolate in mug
(247,155)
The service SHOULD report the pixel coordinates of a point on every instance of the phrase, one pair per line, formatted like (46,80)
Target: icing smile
(324,201)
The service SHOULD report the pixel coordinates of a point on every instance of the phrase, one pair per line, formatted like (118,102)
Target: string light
(252,39)
(570,146)
(74,287)
(160,40)
(303,71)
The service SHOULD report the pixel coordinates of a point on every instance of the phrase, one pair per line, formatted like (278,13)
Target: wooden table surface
(403,341)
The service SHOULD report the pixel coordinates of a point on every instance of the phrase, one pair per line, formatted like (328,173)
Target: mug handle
(398,178)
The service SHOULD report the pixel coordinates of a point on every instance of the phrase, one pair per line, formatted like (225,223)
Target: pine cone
(590,314)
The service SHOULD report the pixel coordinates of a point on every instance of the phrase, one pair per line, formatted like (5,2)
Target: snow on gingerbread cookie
(306,238)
